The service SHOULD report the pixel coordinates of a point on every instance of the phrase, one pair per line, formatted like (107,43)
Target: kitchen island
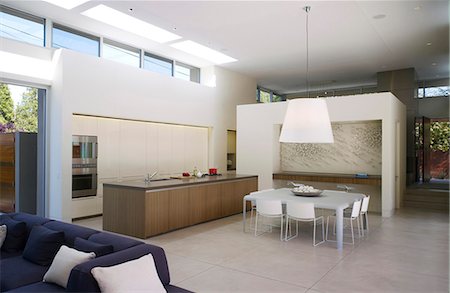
(143,209)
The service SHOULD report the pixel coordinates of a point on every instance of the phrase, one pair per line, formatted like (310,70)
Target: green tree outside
(440,140)
(27,111)
(6,105)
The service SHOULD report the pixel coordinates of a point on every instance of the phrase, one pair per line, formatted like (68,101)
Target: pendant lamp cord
(307,9)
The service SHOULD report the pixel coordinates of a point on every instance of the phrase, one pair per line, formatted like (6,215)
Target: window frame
(121,46)
(271,93)
(191,68)
(76,32)
(29,17)
(158,58)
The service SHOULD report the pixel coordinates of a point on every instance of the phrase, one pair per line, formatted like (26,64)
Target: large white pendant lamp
(307,120)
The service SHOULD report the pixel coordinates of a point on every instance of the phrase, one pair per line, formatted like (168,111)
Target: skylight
(131,24)
(204,52)
(67,4)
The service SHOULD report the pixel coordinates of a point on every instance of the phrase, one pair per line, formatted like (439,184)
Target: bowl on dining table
(306,191)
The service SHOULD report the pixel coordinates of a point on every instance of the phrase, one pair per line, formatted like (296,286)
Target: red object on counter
(186,174)
(212,171)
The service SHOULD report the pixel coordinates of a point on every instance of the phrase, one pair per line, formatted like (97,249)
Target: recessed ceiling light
(129,23)
(429,44)
(379,16)
(66,4)
(204,52)
(417,8)
(434,63)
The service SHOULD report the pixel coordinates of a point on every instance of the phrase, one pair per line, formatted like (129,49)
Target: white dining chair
(269,209)
(253,202)
(364,217)
(354,215)
(302,212)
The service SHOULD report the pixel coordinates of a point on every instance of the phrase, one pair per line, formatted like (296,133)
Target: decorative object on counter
(306,190)
(212,171)
(345,187)
(199,174)
(361,175)
(296,184)
(186,174)
(194,173)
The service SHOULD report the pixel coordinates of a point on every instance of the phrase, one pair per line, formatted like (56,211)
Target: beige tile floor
(405,253)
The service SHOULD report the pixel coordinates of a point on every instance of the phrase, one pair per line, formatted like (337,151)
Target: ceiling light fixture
(204,52)
(434,63)
(429,43)
(307,119)
(130,24)
(66,4)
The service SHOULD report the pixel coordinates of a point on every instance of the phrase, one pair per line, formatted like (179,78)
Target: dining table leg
(339,228)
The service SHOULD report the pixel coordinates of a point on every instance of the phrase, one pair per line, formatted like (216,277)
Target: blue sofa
(18,274)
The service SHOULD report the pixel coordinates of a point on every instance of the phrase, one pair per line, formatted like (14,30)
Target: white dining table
(329,199)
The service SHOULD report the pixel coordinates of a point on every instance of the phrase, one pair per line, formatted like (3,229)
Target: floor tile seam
(333,267)
(193,276)
(261,276)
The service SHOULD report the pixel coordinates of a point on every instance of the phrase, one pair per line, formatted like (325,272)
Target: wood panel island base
(142,209)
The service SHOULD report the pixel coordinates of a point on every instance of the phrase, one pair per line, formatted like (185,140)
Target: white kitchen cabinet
(177,155)
(196,148)
(164,148)
(132,148)
(108,148)
(152,147)
(84,125)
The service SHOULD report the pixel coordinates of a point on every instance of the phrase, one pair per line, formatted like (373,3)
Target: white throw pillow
(3,231)
(132,276)
(65,260)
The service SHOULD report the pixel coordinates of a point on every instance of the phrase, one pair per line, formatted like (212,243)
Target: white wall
(89,85)
(258,150)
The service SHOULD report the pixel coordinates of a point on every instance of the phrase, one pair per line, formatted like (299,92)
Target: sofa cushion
(81,279)
(118,242)
(6,254)
(134,275)
(71,231)
(17,271)
(16,235)
(3,231)
(90,246)
(39,287)
(65,260)
(30,220)
(42,245)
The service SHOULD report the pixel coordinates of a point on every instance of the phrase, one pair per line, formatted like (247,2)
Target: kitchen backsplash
(356,149)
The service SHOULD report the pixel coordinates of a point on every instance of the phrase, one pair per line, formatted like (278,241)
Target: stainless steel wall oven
(84,166)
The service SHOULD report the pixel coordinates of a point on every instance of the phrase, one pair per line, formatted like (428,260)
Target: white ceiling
(348,46)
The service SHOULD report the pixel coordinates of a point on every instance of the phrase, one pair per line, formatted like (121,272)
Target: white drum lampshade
(307,121)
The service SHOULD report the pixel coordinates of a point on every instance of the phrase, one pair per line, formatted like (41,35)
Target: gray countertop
(140,184)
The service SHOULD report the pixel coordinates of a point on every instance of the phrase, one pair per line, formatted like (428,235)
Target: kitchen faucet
(149,177)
